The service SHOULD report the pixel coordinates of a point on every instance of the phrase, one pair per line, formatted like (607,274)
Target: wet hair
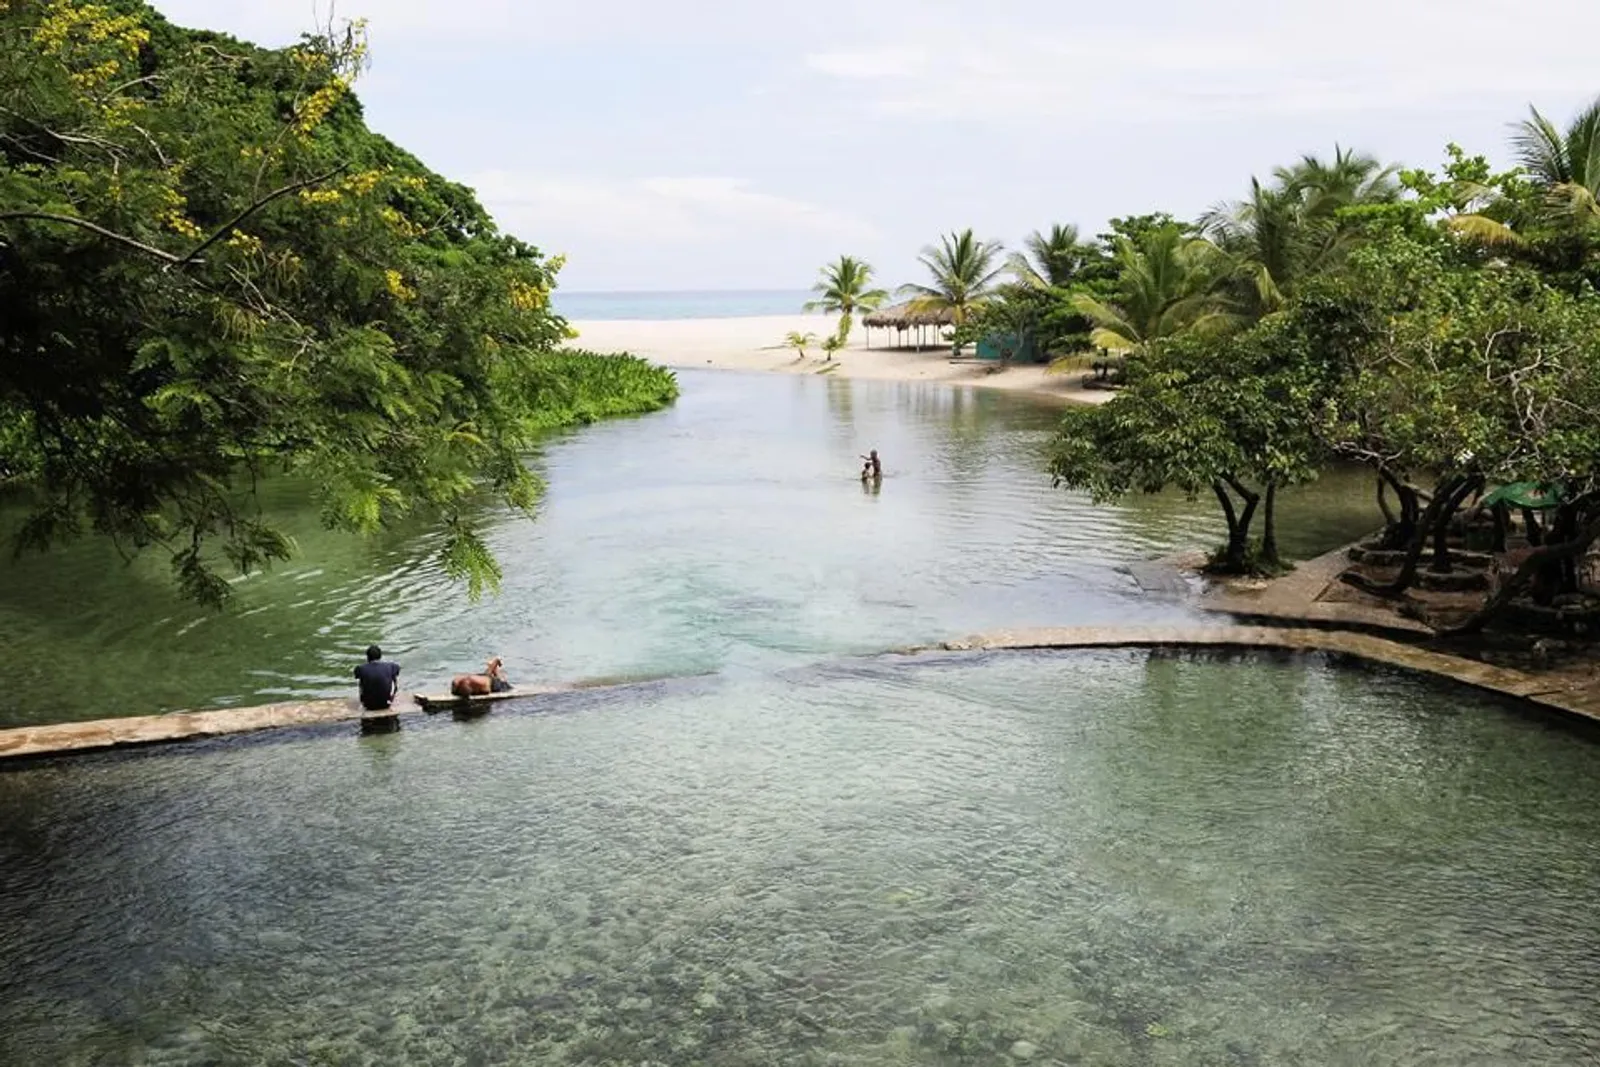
(374,652)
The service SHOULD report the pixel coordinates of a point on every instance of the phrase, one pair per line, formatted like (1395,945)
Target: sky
(741,144)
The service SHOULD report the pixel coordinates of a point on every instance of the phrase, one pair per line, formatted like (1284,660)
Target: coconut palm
(844,288)
(1351,178)
(1282,233)
(1566,163)
(799,342)
(1051,261)
(1167,283)
(963,271)
(1262,234)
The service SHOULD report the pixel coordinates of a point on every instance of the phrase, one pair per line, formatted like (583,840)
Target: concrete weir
(101,734)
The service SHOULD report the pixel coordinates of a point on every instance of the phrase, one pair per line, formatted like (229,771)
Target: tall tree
(1291,229)
(1053,260)
(1565,163)
(212,272)
(963,274)
(844,288)
(1166,284)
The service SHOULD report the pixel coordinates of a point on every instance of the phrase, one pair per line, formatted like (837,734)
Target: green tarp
(1534,495)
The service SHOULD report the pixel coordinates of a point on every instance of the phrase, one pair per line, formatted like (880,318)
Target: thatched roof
(901,316)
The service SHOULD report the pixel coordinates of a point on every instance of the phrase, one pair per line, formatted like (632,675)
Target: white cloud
(1289,58)
(662,209)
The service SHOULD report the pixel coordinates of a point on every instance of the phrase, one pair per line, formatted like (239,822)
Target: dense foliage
(213,272)
(1443,329)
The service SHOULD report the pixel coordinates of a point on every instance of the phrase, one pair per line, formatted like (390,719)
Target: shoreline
(756,344)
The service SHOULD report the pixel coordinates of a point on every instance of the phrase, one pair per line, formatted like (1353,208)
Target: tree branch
(69,220)
(228,226)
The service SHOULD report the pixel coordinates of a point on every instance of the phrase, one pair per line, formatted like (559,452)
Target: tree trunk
(1389,518)
(1441,527)
(1502,526)
(1530,527)
(1398,533)
(1238,521)
(1269,526)
(1536,560)
(1446,497)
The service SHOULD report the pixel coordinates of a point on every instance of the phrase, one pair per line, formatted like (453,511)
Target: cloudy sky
(741,143)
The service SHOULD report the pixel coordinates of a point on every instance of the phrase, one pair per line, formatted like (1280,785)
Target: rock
(1024,1050)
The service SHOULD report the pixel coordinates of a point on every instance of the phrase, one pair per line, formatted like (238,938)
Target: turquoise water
(704,304)
(730,533)
(1108,859)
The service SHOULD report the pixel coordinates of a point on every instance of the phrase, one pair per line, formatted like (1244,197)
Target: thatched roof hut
(902,317)
(929,323)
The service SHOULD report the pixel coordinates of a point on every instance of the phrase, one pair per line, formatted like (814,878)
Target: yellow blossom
(397,286)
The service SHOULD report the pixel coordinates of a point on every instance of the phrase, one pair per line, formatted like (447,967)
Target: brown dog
(477,685)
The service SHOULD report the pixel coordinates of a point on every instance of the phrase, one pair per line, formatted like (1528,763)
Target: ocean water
(689,304)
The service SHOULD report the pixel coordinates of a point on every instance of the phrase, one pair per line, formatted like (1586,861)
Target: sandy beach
(756,344)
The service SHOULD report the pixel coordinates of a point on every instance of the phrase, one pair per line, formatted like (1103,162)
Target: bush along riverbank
(574,387)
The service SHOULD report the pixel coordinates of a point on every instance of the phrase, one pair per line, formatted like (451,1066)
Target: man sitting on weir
(380,681)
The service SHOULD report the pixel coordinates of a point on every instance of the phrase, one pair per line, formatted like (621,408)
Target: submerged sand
(757,344)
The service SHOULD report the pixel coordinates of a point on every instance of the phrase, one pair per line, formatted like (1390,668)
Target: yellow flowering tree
(211,270)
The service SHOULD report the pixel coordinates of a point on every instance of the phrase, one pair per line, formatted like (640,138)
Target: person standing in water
(872,468)
(379,680)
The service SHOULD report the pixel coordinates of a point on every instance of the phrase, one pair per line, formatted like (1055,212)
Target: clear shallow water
(729,534)
(703,304)
(1112,858)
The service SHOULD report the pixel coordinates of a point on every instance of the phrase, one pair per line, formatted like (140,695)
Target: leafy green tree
(1232,416)
(963,274)
(845,288)
(212,273)
(1461,373)
(831,345)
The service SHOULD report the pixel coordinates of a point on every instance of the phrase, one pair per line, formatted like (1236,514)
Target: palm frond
(1484,230)
(1541,149)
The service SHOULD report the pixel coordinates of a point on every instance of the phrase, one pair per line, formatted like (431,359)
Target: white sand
(756,344)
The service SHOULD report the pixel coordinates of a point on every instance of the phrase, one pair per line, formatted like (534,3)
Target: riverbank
(757,344)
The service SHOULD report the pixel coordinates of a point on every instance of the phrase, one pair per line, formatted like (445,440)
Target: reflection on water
(728,533)
(1107,858)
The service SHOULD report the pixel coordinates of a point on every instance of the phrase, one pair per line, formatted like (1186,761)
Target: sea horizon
(598,304)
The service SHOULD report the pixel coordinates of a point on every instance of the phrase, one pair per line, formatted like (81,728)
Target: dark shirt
(378,680)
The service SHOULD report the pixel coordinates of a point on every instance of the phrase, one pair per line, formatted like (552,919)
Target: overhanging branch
(85,224)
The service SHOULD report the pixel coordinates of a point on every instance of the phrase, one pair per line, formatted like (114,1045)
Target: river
(784,848)
(729,532)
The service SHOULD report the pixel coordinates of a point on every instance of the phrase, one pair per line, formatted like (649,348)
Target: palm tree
(1565,163)
(1052,261)
(963,271)
(1167,284)
(1352,178)
(845,287)
(1262,236)
(1282,233)
(831,344)
(799,342)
